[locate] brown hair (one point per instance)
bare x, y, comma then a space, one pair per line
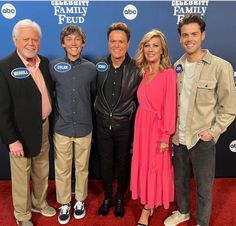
192, 18
121, 27
70, 29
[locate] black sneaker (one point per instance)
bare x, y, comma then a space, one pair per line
79, 212
64, 215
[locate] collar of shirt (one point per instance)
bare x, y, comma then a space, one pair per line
206, 58
28, 64
126, 61
78, 60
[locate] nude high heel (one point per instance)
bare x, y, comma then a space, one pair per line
150, 214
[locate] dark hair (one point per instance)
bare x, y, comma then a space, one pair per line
70, 29
192, 18
121, 27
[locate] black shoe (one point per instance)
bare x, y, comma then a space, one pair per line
105, 207
119, 210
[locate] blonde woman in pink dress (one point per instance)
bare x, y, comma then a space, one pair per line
152, 178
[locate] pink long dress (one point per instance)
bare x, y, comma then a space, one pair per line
152, 178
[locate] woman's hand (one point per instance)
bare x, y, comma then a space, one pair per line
164, 146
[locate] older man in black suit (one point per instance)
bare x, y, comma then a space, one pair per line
25, 100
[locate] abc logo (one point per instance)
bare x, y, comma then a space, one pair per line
232, 146
130, 12
8, 11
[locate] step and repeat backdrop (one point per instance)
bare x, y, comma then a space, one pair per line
141, 16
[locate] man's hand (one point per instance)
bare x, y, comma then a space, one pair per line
205, 136
16, 149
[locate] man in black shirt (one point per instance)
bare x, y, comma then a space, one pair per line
117, 83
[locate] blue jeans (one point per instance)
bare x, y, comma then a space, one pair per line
202, 160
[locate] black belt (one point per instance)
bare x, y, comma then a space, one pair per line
44, 120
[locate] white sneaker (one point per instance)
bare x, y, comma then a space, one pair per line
64, 214
80, 211
176, 218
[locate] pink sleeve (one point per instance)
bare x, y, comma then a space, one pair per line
169, 110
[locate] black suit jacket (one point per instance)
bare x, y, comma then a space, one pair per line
20, 105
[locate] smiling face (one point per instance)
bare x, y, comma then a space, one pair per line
118, 45
27, 42
152, 50
73, 45
191, 39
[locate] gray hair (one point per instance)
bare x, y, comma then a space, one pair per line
26, 23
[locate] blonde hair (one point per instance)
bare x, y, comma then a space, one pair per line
140, 59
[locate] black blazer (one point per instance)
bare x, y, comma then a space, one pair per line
20, 105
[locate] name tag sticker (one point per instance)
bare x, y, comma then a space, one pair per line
62, 67
179, 68
20, 73
101, 66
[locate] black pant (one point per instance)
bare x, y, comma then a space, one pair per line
202, 160
114, 150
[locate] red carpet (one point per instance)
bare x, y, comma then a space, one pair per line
223, 211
